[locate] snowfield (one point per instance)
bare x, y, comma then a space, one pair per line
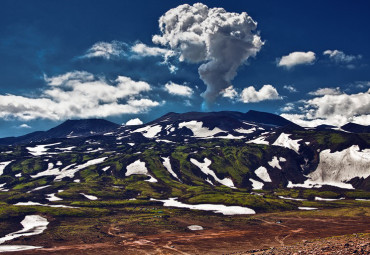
342, 166
225, 210
31, 203
259, 140
66, 149
149, 131
328, 199
32, 225
52, 197
308, 184
90, 197
204, 167
1, 187
275, 162
106, 168
198, 130
195, 227
167, 165
245, 131
3, 165
39, 188
68, 171
256, 184
307, 208
262, 173
11, 248
138, 167
41, 149
337, 168
284, 141
291, 198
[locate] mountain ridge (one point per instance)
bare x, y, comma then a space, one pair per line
228, 121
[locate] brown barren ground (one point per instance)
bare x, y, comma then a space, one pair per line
257, 237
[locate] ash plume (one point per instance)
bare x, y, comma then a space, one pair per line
221, 41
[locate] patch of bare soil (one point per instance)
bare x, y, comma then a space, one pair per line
341, 245
257, 237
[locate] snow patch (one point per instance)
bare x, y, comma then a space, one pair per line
31, 203
328, 199
3, 165
1, 187
307, 208
259, 140
342, 166
281, 159
68, 171
90, 197
198, 130
291, 198
138, 167
284, 141
32, 225
262, 173
195, 227
11, 248
96, 150
228, 136
106, 168
274, 163
245, 131
163, 140
204, 167
66, 149
167, 165
256, 184
41, 149
225, 210
39, 188
149, 131
52, 197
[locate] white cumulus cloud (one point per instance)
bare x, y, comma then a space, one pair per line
288, 107
133, 122
179, 90
326, 91
82, 95
333, 109
297, 58
340, 57
251, 95
138, 50
106, 50
218, 39
24, 125
290, 88
144, 50
229, 92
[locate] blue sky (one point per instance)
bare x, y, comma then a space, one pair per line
83, 59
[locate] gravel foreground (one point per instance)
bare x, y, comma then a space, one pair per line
341, 245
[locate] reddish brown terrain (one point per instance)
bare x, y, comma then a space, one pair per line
262, 234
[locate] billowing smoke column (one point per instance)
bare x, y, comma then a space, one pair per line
220, 40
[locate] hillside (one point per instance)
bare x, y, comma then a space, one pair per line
223, 163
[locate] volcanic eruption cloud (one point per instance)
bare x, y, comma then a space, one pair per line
220, 40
